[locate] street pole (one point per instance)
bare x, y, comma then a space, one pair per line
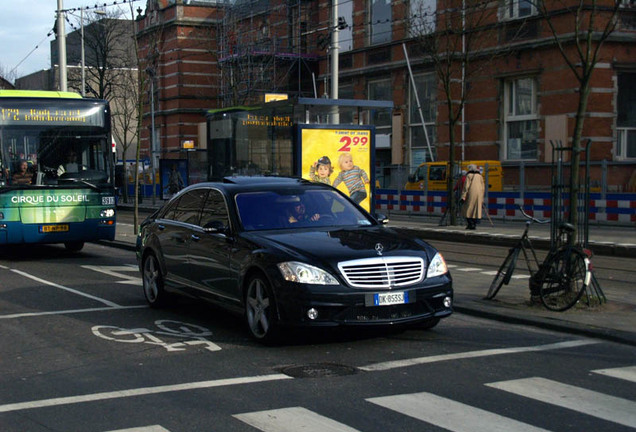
83, 92
61, 45
335, 49
151, 74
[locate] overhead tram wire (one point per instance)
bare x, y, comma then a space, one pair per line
31, 52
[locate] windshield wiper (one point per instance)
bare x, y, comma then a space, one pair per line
74, 180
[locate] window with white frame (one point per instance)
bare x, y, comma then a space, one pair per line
380, 25
423, 17
521, 121
515, 9
626, 117
426, 87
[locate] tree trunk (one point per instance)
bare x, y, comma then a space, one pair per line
452, 205
576, 154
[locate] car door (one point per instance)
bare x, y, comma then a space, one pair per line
175, 233
210, 250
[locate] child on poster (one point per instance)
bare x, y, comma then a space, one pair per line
354, 177
321, 170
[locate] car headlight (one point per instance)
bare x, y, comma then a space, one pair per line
294, 271
437, 266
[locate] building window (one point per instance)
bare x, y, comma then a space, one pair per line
515, 9
426, 86
521, 122
422, 19
626, 117
345, 91
380, 21
381, 91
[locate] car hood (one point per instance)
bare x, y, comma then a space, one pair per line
341, 244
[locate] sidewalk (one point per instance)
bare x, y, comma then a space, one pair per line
613, 321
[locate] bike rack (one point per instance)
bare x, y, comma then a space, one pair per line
559, 191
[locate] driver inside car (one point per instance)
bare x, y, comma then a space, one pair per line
298, 213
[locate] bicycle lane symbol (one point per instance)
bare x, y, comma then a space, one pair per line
188, 334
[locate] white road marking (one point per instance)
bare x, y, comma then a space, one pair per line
626, 373
292, 419
116, 271
606, 407
451, 415
468, 269
144, 391
472, 354
62, 287
489, 273
70, 311
154, 428
514, 276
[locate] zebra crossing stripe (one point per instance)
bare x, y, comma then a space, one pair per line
626, 373
451, 415
292, 419
468, 269
606, 407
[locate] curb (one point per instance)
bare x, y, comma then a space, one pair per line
556, 325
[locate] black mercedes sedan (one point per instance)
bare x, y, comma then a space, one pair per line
286, 252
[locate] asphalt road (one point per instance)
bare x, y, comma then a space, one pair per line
80, 351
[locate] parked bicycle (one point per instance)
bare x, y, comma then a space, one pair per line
560, 280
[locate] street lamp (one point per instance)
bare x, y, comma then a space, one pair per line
97, 12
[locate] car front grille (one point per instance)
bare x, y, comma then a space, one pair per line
382, 272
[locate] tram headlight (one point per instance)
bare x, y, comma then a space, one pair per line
107, 213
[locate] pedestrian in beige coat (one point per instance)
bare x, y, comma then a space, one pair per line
472, 197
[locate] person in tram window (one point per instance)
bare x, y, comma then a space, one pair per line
70, 165
22, 176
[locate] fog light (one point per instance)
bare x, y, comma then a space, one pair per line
312, 314
447, 302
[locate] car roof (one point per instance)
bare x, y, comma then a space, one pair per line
236, 184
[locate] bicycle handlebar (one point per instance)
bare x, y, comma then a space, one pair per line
532, 218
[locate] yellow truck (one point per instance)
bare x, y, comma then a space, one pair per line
434, 175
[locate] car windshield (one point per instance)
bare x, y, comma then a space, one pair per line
290, 209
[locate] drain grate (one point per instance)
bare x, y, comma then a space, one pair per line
318, 370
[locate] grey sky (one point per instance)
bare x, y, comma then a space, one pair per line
24, 24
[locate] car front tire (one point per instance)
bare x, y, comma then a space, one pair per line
260, 310
154, 291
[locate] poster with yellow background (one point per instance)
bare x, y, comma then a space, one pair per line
341, 158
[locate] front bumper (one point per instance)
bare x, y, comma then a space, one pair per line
342, 306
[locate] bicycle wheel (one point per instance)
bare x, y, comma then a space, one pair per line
503, 274
565, 278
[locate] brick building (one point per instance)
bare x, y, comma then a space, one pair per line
520, 94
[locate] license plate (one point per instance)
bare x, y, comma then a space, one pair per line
392, 298
53, 228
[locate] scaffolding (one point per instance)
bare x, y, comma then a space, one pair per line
264, 49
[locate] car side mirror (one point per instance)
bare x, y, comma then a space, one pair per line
382, 219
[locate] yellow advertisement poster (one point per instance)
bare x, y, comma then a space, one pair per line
341, 158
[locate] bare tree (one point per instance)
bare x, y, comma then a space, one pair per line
125, 113
588, 26
6, 76
459, 42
